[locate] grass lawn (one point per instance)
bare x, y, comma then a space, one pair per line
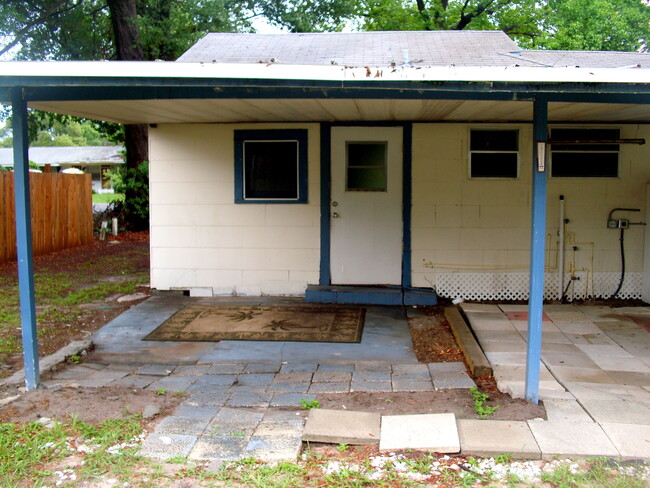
107, 197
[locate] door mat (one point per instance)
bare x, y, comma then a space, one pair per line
212, 323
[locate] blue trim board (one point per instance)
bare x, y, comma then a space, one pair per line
370, 295
43, 89
325, 197
300, 135
407, 192
538, 237
24, 240
525, 89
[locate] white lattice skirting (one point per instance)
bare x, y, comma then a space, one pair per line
514, 286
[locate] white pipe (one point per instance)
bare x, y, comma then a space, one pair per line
560, 262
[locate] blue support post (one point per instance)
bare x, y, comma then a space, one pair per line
538, 234
24, 238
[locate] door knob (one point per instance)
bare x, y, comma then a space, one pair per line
335, 204
335, 215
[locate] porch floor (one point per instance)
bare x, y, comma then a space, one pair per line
595, 371
595, 385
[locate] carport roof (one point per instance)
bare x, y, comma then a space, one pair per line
371, 76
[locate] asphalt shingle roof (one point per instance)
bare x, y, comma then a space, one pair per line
476, 48
423, 48
67, 155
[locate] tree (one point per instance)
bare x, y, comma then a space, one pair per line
94, 29
521, 19
600, 25
549, 24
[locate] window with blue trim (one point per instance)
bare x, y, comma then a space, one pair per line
271, 166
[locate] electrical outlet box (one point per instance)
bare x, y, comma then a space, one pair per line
618, 224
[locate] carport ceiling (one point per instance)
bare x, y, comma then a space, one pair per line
315, 109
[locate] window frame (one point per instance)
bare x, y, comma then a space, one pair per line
299, 136
470, 152
617, 152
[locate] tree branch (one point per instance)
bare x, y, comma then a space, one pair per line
424, 14
51, 11
465, 19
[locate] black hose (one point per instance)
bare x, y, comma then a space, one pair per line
620, 283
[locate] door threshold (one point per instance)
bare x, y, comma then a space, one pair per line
370, 295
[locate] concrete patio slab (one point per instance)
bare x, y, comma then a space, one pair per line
272, 448
363, 385
494, 437
630, 378
581, 439
631, 365
212, 447
631, 440
290, 399
580, 375
450, 367
298, 367
182, 425
342, 427
331, 376
452, 380
289, 387
559, 410
333, 387
434, 432
165, 446
618, 411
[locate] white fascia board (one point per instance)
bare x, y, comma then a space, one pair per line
97, 70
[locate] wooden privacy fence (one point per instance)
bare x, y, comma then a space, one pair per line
62, 214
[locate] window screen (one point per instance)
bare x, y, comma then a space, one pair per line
494, 153
581, 154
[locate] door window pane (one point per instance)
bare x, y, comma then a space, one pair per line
366, 166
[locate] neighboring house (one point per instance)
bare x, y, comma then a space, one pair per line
381, 158
96, 160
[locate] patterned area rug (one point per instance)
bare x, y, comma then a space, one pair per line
212, 323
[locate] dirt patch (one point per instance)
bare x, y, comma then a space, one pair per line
459, 402
91, 405
433, 341
119, 260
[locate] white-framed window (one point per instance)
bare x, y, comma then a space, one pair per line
271, 166
494, 153
585, 152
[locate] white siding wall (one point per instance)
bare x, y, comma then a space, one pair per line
201, 238
471, 237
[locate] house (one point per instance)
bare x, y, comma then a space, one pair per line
242, 204
96, 160
412, 163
